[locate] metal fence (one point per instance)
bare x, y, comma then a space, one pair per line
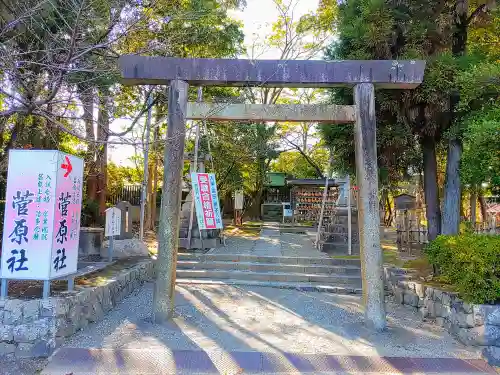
131, 194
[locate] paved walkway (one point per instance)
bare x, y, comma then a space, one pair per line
272, 243
224, 329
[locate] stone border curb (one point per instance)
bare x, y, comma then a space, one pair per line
472, 324
34, 328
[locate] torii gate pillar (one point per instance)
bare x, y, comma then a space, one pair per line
168, 241
365, 141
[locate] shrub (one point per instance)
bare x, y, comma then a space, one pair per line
471, 263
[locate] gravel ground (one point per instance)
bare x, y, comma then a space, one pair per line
22, 367
267, 319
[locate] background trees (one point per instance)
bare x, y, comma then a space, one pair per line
60, 89
415, 126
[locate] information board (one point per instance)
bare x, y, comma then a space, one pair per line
113, 222
42, 215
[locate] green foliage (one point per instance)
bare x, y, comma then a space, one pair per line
119, 176
294, 163
471, 263
91, 216
481, 157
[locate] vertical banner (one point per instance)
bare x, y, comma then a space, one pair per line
42, 215
206, 200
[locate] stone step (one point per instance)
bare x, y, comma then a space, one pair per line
326, 261
270, 276
303, 287
269, 267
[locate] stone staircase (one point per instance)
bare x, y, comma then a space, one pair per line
332, 275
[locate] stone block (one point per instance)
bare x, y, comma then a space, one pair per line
438, 295
47, 308
26, 333
478, 313
423, 312
467, 308
440, 321
13, 312
97, 313
75, 315
24, 350
482, 336
64, 328
399, 295
6, 332
410, 298
429, 293
61, 306
465, 320
43, 348
420, 290
6, 349
492, 355
492, 315
31, 310
446, 311
435, 309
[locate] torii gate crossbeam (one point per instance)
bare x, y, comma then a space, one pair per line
363, 76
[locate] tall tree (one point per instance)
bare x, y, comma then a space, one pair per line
462, 21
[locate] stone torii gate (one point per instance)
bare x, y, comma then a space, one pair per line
363, 76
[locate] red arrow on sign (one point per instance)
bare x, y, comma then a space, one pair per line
67, 166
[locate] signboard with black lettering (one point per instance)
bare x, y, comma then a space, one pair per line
42, 215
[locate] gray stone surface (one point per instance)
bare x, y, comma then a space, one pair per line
476, 325
6, 332
25, 333
21, 367
267, 319
125, 248
270, 242
492, 354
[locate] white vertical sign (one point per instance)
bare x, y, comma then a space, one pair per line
42, 215
113, 222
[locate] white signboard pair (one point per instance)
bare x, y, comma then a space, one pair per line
206, 201
42, 215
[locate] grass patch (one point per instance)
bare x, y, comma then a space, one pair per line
243, 231
344, 256
102, 277
253, 224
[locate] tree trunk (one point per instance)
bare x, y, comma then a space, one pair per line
389, 211
383, 199
473, 206
87, 98
482, 205
431, 193
102, 148
153, 178
451, 207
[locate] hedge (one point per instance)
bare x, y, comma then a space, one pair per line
469, 262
